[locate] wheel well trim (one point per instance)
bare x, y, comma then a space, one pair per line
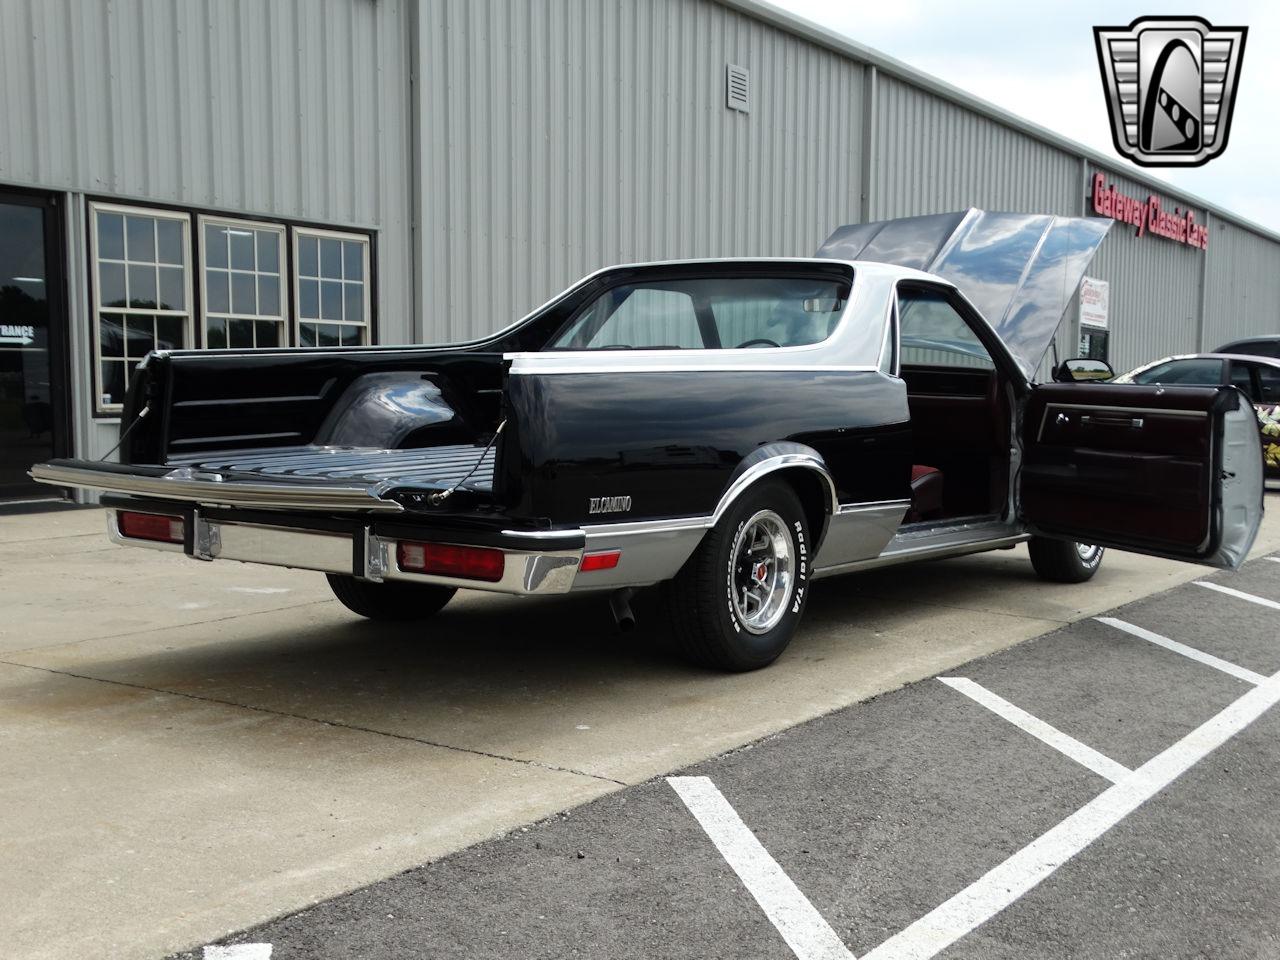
770, 459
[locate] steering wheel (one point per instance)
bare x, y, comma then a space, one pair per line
758, 341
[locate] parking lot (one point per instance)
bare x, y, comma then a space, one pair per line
190, 750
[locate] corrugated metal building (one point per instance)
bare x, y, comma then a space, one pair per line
228, 172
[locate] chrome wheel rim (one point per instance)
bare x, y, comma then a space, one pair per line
1088, 552
762, 572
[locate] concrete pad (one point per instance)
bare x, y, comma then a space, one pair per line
521, 682
136, 821
74, 584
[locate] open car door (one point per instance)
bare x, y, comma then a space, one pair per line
1169, 471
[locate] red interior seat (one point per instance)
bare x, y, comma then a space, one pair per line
926, 493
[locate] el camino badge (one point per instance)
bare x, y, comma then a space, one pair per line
609, 505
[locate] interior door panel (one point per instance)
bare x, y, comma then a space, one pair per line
1141, 468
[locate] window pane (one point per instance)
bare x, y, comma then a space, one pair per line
142, 286
328, 335
934, 334
268, 251
139, 336
111, 236
352, 336
308, 298
111, 284
173, 296
241, 249
353, 260
140, 232
267, 333
113, 382
354, 296
307, 334
308, 257
240, 333
217, 291
268, 294
216, 334
243, 299
331, 258
215, 245
111, 335
331, 300
169, 241
1242, 380
1196, 372
755, 311
1270, 383
171, 333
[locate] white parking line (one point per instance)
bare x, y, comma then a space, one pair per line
1208, 659
1261, 601
1006, 883
1273, 559
1081, 753
239, 951
808, 935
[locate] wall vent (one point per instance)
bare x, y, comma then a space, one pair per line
737, 88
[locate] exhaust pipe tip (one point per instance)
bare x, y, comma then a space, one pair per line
620, 605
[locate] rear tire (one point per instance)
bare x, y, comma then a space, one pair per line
1064, 561
736, 602
395, 602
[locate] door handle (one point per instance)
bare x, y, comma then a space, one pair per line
1133, 423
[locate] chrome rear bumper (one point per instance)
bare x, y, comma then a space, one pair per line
536, 569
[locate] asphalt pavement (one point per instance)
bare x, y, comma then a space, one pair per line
1107, 789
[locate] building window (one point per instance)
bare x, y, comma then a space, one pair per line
332, 288
242, 270
142, 292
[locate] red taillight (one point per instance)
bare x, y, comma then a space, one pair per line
446, 560
150, 526
604, 560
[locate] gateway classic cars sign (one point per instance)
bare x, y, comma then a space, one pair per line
1149, 216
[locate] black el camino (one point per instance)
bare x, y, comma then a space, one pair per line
730, 429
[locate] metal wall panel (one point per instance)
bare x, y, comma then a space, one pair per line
292, 108
561, 136
1155, 288
932, 156
1242, 296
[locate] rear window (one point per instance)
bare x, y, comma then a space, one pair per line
1253, 348
707, 313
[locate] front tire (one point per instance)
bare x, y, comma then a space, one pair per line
394, 602
736, 602
1064, 561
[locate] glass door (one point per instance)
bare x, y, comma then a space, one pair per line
32, 342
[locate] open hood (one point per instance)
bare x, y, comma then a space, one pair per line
1019, 269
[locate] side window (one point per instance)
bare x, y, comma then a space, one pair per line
1194, 372
934, 334
1242, 378
638, 317
1269, 383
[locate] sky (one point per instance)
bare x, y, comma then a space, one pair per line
1038, 60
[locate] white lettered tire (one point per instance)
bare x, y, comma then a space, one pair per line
1064, 561
736, 603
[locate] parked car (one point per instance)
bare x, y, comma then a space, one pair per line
730, 429
1256, 376
1253, 347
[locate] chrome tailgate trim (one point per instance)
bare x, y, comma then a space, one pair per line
292, 496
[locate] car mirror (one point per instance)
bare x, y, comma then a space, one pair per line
1082, 368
